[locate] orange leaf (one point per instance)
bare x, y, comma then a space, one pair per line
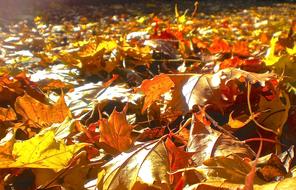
41, 114
241, 48
154, 88
178, 159
7, 114
219, 46
116, 132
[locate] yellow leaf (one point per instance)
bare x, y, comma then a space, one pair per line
270, 58
291, 51
41, 114
237, 123
41, 151
116, 132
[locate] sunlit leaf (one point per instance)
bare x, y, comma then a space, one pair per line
41, 114
116, 132
41, 152
144, 166
154, 88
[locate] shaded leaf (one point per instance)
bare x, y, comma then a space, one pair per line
274, 113
206, 142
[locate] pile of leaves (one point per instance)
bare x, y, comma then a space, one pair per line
149, 102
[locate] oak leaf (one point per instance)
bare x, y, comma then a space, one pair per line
116, 132
39, 113
154, 88
144, 166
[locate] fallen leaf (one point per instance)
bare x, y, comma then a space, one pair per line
41, 151
214, 89
219, 46
7, 114
154, 88
116, 132
206, 142
241, 48
270, 168
178, 159
39, 113
144, 166
274, 113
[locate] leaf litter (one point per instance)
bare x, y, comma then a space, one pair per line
127, 97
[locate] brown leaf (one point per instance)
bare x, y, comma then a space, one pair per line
154, 88
218, 89
144, 166
116, 132
271, 168
207, 142
41, 114
274, 113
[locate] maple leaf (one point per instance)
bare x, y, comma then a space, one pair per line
154, 88
41, 114
206, 142
7, 114
215, 89
178, 159
116, 132
144, 166
219, 46
41, 151
274, 113
241, 48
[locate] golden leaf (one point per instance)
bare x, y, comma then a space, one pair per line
154, 88
116, 132
41, 151
7, 114
41, 114
274, 113
145, 165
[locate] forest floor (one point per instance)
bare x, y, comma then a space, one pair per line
147, 94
